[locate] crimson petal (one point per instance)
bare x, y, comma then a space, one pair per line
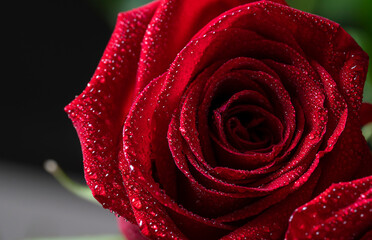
343, 211
98, 113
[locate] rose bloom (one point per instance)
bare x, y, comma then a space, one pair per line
227, 119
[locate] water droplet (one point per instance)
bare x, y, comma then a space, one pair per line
136, 203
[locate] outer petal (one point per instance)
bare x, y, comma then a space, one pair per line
129, 230
367, 235
166, 97
151, 217
98, 113
174, 24
351, 158
343, 211
270, 224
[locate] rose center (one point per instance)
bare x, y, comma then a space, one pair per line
248, 129
247, 125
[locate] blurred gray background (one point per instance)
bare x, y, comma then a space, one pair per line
34, 205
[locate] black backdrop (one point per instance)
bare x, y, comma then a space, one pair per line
50, 52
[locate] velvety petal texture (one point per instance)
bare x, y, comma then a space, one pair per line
99, 112
343, 211
129, 230
216, 119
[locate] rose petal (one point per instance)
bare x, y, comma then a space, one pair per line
98, 113
367, 236
271, 224
240, 176
343, 139
172, 27
343, 211
135, 166
129, 230
146, 196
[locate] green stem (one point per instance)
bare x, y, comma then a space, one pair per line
51, 166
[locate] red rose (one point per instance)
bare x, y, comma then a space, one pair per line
215, 119
343, 211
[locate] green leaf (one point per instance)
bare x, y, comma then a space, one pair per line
130, 4
110, 9
367, 95
367, 133
304, 5
77, 189
364, 15
341, 11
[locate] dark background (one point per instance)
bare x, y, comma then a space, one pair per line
50, 49
50, 53
53, 51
